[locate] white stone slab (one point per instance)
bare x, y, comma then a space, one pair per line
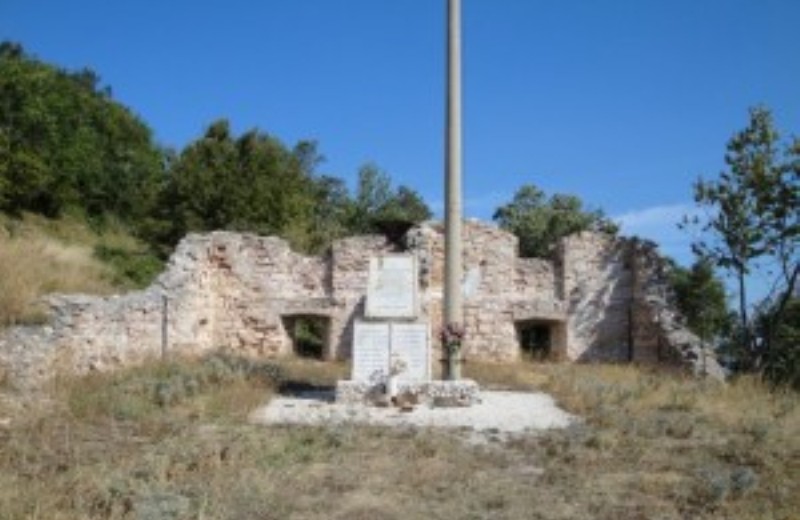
392, 287
472, 281
410, 342
370, 351
503, 415
376, 345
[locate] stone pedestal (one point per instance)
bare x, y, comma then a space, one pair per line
463, 392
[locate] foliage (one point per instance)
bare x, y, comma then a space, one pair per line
377, 206
142, 393
255, 183
700, 296
135, 269
540, 223
65, 145
246, 183
782, 359
308, 334
752, 225
331, 212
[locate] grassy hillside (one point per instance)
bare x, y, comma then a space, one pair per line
171, 441
40, 256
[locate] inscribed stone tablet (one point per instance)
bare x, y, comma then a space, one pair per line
392, 287
370, 351
472, 281
410, 342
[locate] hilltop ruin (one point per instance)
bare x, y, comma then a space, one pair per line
601, 298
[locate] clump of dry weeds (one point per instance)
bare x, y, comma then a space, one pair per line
33, 267
40, 256
33, 264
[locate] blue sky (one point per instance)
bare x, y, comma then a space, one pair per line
623, 103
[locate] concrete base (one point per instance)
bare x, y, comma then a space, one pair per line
464, 392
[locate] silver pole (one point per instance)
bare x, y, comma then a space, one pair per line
453, 308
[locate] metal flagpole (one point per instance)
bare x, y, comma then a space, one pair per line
453, 308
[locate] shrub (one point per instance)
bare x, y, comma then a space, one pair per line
131, 268
143, 392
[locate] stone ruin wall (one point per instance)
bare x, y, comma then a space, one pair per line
661, 333
500, 288
602, 296
598, 289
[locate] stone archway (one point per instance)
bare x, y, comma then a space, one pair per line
309, 334
541, 339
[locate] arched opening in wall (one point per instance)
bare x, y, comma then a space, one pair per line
540, 340
309, 334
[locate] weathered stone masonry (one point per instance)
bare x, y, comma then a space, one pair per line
601, 298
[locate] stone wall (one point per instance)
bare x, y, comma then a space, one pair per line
500, 288
601, 297
597, 283
660, 333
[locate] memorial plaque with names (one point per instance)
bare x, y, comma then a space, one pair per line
392, 287
370, 351
410, 342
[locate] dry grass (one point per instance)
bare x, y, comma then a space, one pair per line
32, 267
314, 373
677, 446
651, 447
40, 256
505, 377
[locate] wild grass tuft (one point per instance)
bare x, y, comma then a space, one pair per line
504, 376
33, 266
40, 256
215, 385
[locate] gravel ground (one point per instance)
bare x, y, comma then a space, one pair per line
498, 415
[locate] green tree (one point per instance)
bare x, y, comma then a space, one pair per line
65, 145
782, 360
378, 208
372, 194
405, 205
331, 214
246, 183
700, 296
752, 225
539, 223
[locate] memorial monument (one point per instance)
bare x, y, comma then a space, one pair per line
390, 341
391, 345
391, 348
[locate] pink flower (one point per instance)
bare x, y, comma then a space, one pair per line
452, 336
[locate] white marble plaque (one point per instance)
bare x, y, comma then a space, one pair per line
472, 281
370, 351
410, 342
392, 287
